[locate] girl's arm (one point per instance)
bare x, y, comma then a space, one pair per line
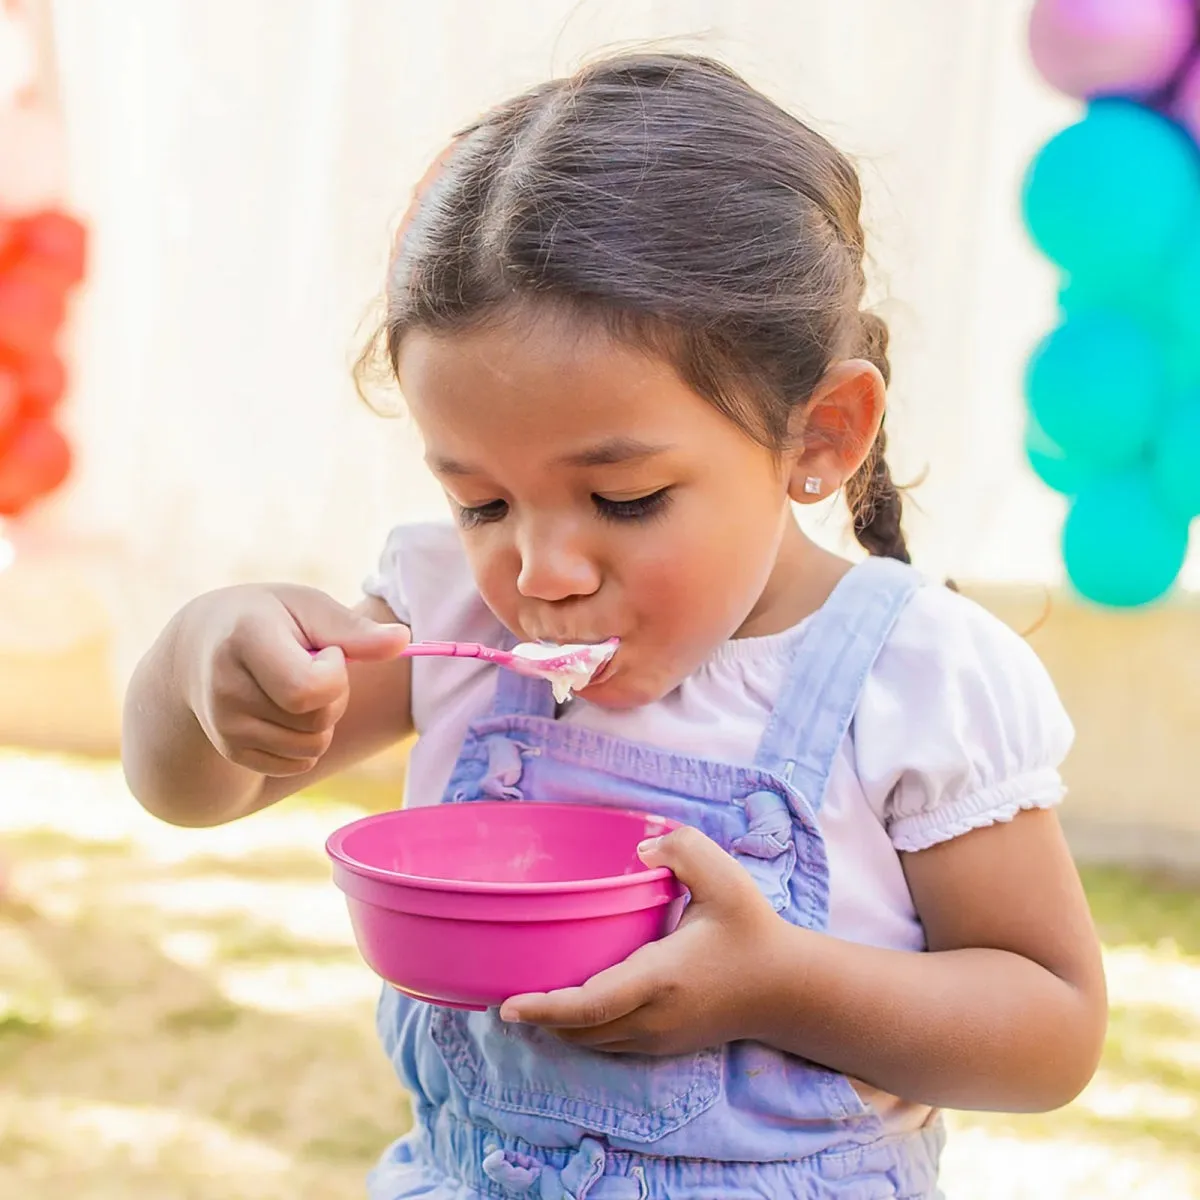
171, 763
1008, 1009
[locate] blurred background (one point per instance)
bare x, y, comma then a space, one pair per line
182, 1013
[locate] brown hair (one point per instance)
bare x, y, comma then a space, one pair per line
665, 199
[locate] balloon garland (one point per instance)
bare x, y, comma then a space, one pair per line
42, 261
1113, 392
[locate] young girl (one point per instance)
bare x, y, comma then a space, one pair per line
625, 314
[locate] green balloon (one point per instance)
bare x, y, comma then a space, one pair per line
1176, 463
1121, 547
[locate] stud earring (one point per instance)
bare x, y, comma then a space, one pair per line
812, 486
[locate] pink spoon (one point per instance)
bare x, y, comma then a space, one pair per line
571, 669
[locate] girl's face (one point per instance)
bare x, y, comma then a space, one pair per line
599, 496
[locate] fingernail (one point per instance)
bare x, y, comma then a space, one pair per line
648, 845
509, 1015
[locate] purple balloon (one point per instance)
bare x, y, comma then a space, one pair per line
1090, 48
1185, 104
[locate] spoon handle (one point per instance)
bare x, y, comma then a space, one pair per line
457, 650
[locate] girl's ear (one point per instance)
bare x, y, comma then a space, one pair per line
833, 433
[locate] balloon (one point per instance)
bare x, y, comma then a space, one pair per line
1120, 547
1176, 465
1185, 104
55, 240
1145, 298
1090, 48
1051, 465
1096, 386
43, 383
32, 307
1183, 286
1109, 197
35, 462
10, 407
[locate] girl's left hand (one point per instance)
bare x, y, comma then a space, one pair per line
690, 991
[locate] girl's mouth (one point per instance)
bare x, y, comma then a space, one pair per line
602, 674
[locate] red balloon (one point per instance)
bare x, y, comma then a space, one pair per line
36, 461
55, 239
10, 407
32, 308
43, 382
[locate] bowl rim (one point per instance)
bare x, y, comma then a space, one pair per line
334, 848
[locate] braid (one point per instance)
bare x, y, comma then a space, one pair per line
874, 499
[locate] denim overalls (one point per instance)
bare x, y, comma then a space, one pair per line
510, 1111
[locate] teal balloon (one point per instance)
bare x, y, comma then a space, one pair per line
1176, 465
1183, 289
1110, 196
1051, 465
1181, 356
1122, 549
1095, 386
1146, 299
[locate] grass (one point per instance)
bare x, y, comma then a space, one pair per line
183, 1017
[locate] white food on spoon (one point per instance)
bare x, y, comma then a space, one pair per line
585, 661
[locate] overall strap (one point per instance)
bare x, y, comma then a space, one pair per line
829, 665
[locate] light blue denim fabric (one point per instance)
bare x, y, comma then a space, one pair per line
507, 1111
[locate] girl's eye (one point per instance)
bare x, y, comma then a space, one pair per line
481, 514
640, 509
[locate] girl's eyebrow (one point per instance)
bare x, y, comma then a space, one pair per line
602, 454
614, 450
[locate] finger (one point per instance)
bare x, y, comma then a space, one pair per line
237, 691
605, 997
622, 1032
605, 1046
270, 764
707, 871
324, 622
268, 738
294, 680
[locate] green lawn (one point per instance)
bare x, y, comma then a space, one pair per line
183, 1017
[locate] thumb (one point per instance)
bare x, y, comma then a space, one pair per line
697, 862
325, 624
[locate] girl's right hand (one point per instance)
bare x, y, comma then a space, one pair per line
264, 670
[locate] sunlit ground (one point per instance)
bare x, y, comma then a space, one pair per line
183, 1017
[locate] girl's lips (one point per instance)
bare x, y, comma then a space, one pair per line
602, 674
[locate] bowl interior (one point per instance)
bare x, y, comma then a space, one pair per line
507, 842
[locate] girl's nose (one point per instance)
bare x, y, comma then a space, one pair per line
554, 567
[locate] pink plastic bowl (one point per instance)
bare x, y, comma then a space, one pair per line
465, 905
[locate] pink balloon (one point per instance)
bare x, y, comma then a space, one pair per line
1090, 48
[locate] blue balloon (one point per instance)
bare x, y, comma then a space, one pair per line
1176, 466
1051, 465
1109, 196
1120, 547
1096, 386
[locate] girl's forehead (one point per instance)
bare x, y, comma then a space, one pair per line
547, 403
545, 381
